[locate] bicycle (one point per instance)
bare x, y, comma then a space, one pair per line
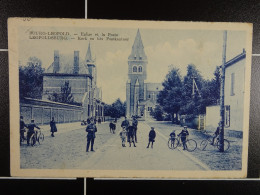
37, 136
174, 142
205, 142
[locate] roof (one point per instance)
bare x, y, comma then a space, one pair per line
138, 49
236, 59
66, 64
89, 55
154, 86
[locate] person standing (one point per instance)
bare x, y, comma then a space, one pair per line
22, 127
53, 126
184, 133
123, 136
135, 123
125, 124
130, 135
91, 129
31, 127
152, 136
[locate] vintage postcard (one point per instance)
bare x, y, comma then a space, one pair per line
129, 99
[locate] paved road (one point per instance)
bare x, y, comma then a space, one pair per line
68, 150
113, 156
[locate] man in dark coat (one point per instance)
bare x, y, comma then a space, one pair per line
152, 136
184, 133
130, 135
135, 123
53, 126
91, 129
125, 123
31, 131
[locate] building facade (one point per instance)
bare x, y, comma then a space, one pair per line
82, 78
141, 97
233, 97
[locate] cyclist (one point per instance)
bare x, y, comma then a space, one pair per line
216, 134
31, 131
22, 127
184, 133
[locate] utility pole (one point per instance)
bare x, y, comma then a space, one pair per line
222, 94
194, 86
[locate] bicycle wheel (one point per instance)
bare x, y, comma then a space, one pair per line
203, 144
33, 140
191, 145
173, 143
40, 138
226, 145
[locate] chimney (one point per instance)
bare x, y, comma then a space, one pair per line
56, 66
76, 62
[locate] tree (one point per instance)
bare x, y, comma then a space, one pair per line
192, 103
170, 98
157, 113
116, 109
64, 96
31, 79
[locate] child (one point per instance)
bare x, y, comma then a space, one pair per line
173, 137
184, 133
123, 136
152, 136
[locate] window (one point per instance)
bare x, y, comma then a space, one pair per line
134, 69
227, 116
140, 69
232, 87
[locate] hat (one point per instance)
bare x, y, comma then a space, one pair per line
185, 126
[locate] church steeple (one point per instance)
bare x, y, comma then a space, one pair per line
137, 48
88, 55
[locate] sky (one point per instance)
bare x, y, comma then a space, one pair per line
203, 48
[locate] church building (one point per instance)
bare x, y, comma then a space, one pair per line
141, 97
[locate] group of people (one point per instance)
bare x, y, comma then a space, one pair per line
86, 122
129, 131
31, 127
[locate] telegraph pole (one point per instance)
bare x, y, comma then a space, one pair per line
222, 94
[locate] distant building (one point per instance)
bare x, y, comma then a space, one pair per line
234, 96
141, 97
82, 78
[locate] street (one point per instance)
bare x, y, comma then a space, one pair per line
67, 150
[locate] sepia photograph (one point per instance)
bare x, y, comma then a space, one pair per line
124, 99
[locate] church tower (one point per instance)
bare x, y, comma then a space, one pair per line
137, 62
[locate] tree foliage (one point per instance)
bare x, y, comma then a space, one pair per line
170, 98
64, 96
157, 113
31, 79
180, 96
116, 109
